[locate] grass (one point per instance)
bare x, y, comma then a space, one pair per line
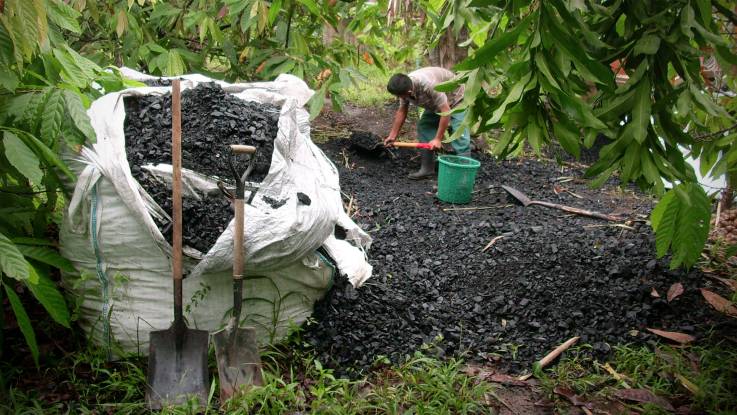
371, 91
704, 377
84, 383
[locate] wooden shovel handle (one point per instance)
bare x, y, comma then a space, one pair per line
399, 144
242, 149
176, 162
577, 211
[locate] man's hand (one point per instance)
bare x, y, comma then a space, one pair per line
436, 144
389, 141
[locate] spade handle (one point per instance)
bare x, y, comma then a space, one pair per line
176, 162
242, 149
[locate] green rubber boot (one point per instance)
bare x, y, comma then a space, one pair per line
427, 166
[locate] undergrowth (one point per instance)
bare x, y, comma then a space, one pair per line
700, 377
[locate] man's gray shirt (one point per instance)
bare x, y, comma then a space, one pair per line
423, 92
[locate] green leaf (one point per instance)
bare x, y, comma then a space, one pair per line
78, 114
52, 116
534, 136
24, 323
51, 299
274, 9
641, 111
514, 95
46, 152
174, 64
316, 102
542, 64
663, 219
687, 21
63, 16
47, 256
32, 241
12, 262
494, 46
8, 79
311, 6
22, 158
705, 102
648, 45
568, 137
692, 227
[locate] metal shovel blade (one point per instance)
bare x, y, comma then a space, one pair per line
177, 372
517, 195
238, 358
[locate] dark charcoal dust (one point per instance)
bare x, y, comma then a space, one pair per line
211, 121
553, 275
366, 143
158, 82
304, 199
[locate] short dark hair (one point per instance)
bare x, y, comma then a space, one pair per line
399, 84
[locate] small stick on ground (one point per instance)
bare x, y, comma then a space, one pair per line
492, 242
719, 213
553, 355
612, 225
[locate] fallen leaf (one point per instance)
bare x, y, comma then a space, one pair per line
720, 303
731, 284
571, 396
682, 338
654, 293
674, 291
367, 58
643, 396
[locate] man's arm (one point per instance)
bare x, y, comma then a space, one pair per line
437, 142
399, 118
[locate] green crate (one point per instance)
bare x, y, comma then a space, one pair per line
456, 177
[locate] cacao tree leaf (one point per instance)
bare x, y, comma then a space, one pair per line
674, 291
663, 219
514, 95
641, 111
63, 16
692, 228
12, 262
24, 323
78, 114
677, 337
648, 45
719, 303
51, 299
568, 137
46, 152
495, 45
47, 256
22, 158
52, 116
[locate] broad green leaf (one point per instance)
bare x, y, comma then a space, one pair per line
692, 227
78, 114
641, 111
542, 64
46, 152
8, 79
51, 299
514, 95
687, 21
121, 19
648, 45
649, 169
663, 219
316, 102
494, 46
22, 158
71, 72
534, 136
12, 262
63, 16
705, 102
174, 65
47, 256
274, 9
52, 116
32, 241
311, 6
24, 323
568, 137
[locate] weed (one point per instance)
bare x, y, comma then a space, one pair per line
371, 90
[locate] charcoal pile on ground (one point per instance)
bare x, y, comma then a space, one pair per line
549, 276
211, 121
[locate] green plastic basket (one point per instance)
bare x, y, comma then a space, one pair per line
456, 177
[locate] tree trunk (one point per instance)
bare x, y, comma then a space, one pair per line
447, 53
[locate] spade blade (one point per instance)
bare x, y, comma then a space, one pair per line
517, 195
